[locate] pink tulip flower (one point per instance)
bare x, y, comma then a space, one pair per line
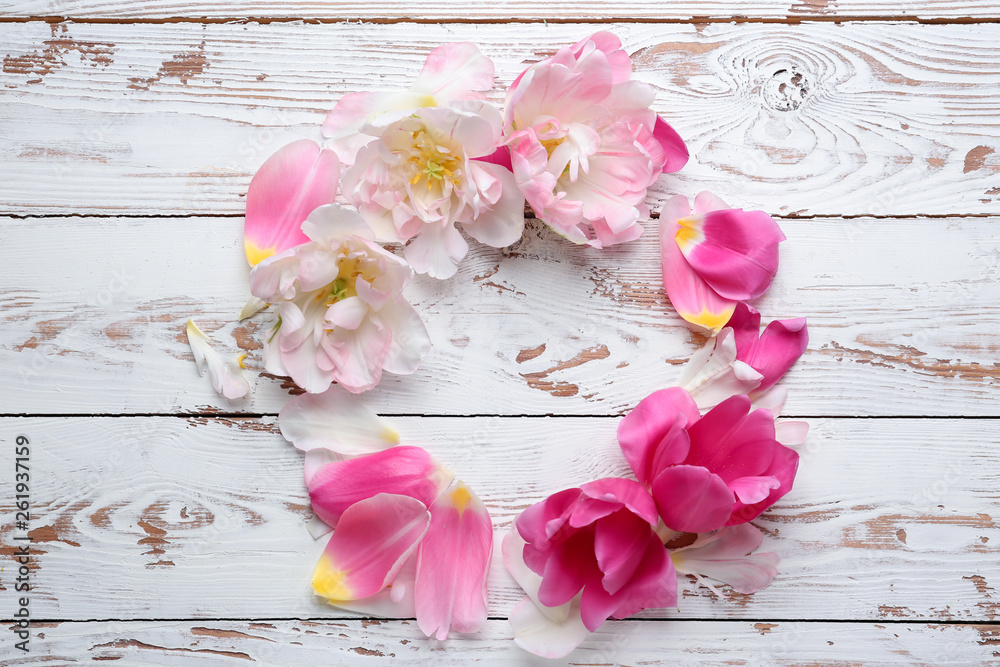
600, 539
715, 257
585, 145
706, 472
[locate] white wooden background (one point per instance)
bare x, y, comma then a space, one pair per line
170, 522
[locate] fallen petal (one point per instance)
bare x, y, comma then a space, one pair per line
227, 376
335, 421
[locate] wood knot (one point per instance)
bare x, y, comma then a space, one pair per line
786, 90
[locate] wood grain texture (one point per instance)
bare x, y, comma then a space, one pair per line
503, 11
903, 318
152, 518
352, 642
811, 119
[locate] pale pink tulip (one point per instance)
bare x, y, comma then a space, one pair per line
706, 472
715, 257
585, 145
341, 314
600, 540
289, 186
423, 174
727, 555
452, 73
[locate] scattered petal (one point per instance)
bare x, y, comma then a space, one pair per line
336, 421
227, 376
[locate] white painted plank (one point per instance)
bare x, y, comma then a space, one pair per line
823, 118
152, 518
503, 11
394, 643
903, 316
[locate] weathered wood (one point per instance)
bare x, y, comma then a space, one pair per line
818, 119
903, 317
501, 12
354, 642
147, 518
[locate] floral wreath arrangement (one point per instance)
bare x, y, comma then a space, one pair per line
578, 142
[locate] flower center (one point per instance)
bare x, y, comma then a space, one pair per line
430, 161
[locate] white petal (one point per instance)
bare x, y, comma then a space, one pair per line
502, 224
773, 399
714, 374
536, 633
336, 421
227, 377
410, 341
329, 225
347, 313
253, 306
791, 433
436, 252
316, 459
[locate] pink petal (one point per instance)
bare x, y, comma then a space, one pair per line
673, 146
654, 585
732, 443
541, 521
619, 545
436, 251
570, 565
626, 492
456, 71
372, 541
734, 251
692, 500
404, 471
745, 324
690, 295
791, 433
751, 490
452, 564
609, 44
653, 425
501, 157
780, 346
784, 464
285, 190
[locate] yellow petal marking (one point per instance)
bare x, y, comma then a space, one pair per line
711, 321
460, 498
256, 255
329, 581
689, 232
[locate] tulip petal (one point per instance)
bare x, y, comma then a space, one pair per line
619, 545
436, 252
714, 373
750, 490
692, 297
570, 566
791, 433
226, 376
731, 441
617, 491
645, 429
673, 146
536, 632
780, 346
252, 307
784, 464
370, 545
503, 223
404, 471
724, 556
410, 340
285, 190
734, 251
335, 421
393, 601
455, 71
691, 499
452, 564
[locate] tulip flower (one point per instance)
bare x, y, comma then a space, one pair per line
341, 313
422, 175
452, 73
741, 360
595, 553
585, 145
706, 472
715, 257
289, 186
227, 376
